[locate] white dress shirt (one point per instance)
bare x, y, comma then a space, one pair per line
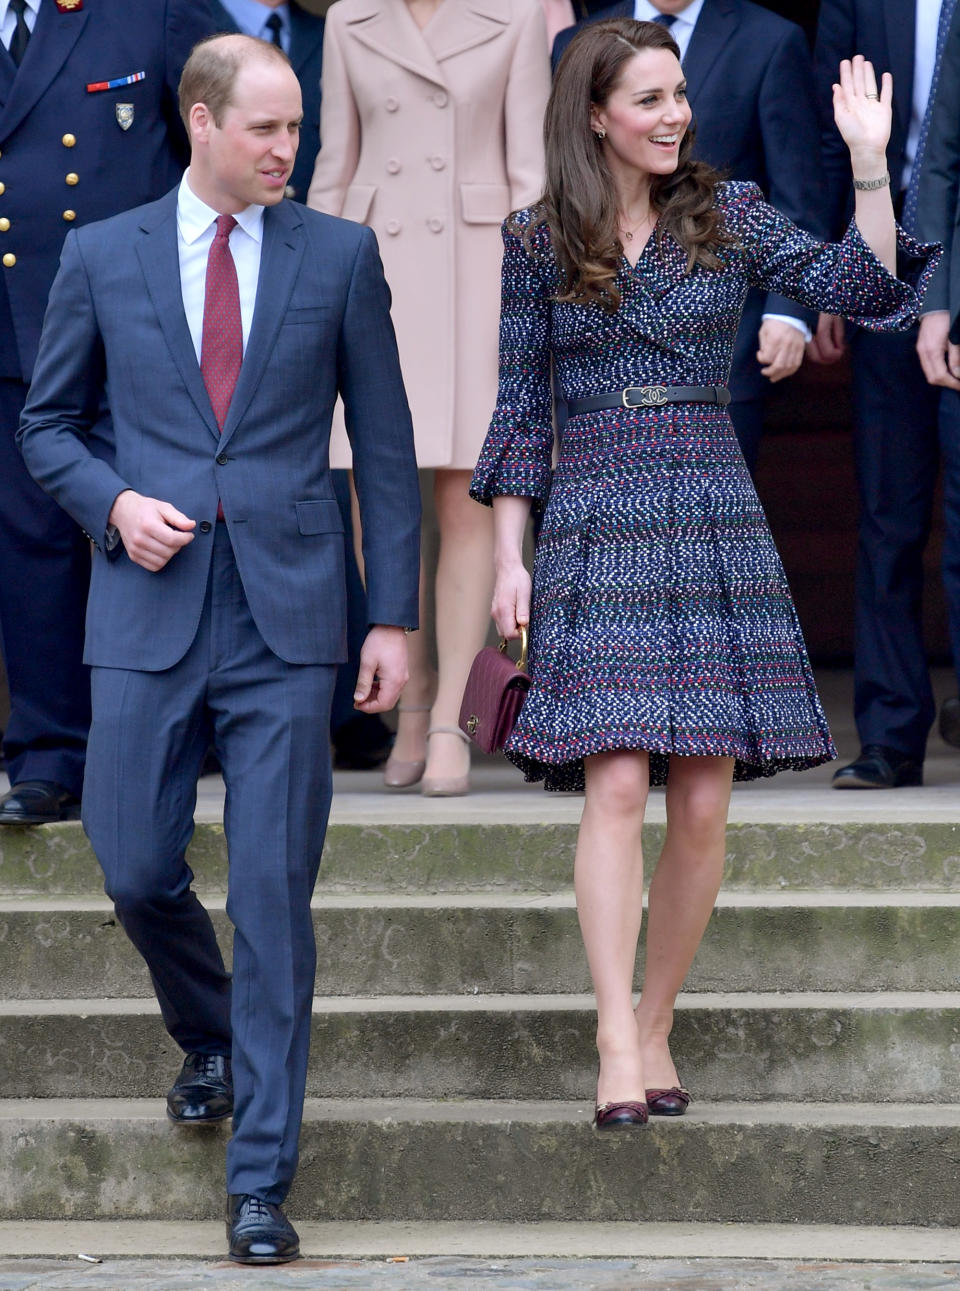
8, 19
681, 30
927, 20
251, 17
196, 227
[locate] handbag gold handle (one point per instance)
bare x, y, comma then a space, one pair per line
524, 643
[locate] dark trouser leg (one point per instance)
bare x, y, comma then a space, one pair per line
271, 721
748, 388
747, 418
896, 456
44, 575
950, 457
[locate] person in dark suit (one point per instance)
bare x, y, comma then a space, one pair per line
938, 340
88, 127
751, 90
895, 413
217, 601
361, 741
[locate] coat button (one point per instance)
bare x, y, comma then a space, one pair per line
69, 216
393, 227
222, 459
3, 188
437, 163
435, 225
205, 526
69, 140
9, 260
393, 166
440, 98
4, 224
72, 178
391, 103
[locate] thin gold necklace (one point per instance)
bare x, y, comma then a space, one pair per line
628, 233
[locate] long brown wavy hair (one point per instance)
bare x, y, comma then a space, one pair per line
579, 202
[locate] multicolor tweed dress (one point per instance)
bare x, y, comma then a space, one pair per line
661, 616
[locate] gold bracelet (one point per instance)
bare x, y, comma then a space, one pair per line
868, 185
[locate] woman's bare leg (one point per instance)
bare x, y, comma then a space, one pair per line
683, 892
608, 878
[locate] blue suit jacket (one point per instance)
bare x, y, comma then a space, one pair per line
321, 326
46, 101
938, 204
751, 90
883, 31
306, 56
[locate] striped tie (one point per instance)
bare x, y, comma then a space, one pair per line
908, 220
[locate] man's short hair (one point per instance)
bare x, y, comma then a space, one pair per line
211, 70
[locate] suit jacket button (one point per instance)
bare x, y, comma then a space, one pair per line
205, 526
222, 459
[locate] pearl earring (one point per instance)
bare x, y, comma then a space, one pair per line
601, 133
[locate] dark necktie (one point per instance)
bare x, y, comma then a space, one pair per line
274, 25
21, 33
665, 19
221, 344
908, 219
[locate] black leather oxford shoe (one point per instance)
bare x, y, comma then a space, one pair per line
950, 722
259, 1233
38, 802
879, 767
203, 1092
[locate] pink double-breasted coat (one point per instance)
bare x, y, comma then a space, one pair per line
431, 138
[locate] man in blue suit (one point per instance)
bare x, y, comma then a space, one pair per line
895, 413
229, 319
751, 89
88, 127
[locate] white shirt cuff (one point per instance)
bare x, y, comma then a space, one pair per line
798, 323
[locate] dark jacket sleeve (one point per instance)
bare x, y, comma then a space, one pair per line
185, 23
940, 174
836, 40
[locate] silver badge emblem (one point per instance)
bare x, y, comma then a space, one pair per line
124, 115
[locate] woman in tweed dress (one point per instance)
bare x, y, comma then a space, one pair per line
664, 643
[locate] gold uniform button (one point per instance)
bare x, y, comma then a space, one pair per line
69, 140
73, 178
69, 215
4, 224
9, 260
3, 188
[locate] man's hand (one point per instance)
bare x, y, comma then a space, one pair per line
781, 349
829, 341
939, 358
383, 670
152, 531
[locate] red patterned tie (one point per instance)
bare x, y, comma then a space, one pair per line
221, 345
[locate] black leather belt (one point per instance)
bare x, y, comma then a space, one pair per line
649, 397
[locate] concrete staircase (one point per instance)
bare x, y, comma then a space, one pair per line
453, 1064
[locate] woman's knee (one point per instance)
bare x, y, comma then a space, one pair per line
618, 783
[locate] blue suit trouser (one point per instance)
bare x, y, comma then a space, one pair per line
899, 449
44, 576
268, 721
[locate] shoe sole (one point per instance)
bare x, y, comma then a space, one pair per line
265, 1259
198, 1120
850, 782
72, 814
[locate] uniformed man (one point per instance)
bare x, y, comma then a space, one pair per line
88, 128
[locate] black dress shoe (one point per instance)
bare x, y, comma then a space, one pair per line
950, 722
879, 767
203, 1092
259, 1233
38, 802
362, 743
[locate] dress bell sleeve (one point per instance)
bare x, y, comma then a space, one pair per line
516, 457
843, 277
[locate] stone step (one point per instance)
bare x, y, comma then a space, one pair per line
198, 1239
492, 1161
373, 944
56, 860
866, 1047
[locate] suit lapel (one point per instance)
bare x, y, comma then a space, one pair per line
160, 261
714, 28
388, 29
306, 36
280, 257
456, 28
54, 36
900, 31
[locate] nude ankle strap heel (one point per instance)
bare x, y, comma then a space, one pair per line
400, 773
446, 786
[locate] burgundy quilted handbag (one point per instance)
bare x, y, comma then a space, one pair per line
494, 695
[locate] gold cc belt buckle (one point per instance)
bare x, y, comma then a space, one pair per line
649, 396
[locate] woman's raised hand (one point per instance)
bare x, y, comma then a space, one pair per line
862, 112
